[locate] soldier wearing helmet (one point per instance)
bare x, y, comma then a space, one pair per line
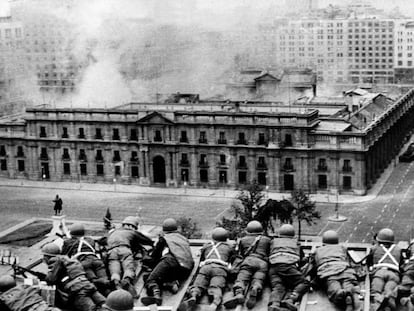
254, 250
215, 258
171, 261
287, 281
82, 248
330, 262
384, 260
123, 244
119, 300
406, 288
70, 279
20, 297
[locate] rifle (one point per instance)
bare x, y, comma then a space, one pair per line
22, 271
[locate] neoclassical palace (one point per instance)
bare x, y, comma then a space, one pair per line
319, 145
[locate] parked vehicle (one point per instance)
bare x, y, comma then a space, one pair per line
408, 155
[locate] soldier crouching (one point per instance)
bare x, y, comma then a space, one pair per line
288, 282
254, 249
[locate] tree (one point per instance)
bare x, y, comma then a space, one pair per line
248, 203
304, 209
188, 228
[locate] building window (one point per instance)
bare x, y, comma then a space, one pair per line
2, 151
222, 159
115, 134
133, 134
203, 160
242, 162
203, 176
117, 156
288, 140
184, 175
66, 168
98, 133
81, 133
223, 177
117, 170
134, 171
347, 182
203, 138
20, 152
222, 138
83, 169
134, 156
82, 155
261, 164
3, 164
157, 136
99, 169
242, 139
288, 166
99, 156
322, 165
183, 138
261, 178
288, 182
347, 166
242, 177
261, 140
65, 155
43, 154
42, 131
322, 182
184, 159
65, 132
20, 165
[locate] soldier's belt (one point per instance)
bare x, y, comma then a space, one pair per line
389, 266
76, 256
217, 261
120, 245
273, 257
74, 281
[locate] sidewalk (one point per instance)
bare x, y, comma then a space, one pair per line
197, 192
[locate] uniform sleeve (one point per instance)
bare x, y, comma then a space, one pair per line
55, 272
159, 247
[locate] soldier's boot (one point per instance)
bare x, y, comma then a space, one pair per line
191, 302
349, 305
128, 285
356, 300
275, 306
391, 304
155, 299
378, 302
237, 299
254, 292
173, 286
290, 302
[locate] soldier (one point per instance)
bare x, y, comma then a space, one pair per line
20, 297
123, 243
83, 249
286, 279
406, 288
216, 256
384, 261
333, 270
119, 300
254, 249
69, 277
171, 259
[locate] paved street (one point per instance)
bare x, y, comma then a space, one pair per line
391, 207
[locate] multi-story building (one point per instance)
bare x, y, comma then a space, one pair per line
191, 142
403, 47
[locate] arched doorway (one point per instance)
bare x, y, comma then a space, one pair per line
158, 166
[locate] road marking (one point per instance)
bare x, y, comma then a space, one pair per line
359, 222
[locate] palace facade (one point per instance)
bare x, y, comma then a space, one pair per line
187, 142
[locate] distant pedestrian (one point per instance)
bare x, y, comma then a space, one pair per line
58, 205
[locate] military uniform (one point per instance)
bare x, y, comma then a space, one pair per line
69, 277
173, 261
83, 250
284, 273
406, 288
212, 275
122, 244
23, 298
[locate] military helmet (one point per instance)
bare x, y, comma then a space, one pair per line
385, 235
330, 237
6, 282
51, 249
286, 231
119, 300
169, 224
220, 234
254, 227
77, 229
131, 220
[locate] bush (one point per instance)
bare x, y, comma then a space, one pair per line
188, 228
